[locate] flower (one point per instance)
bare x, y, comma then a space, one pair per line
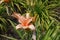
7, 1
24, 22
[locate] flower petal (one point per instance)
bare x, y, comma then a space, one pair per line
25, 27
28, 18
18, 17
19, 26
27, 15
28, 21
21, 19
31, 27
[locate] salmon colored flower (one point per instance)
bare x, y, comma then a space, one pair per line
24, 22
7, 1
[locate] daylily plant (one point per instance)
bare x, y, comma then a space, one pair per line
24, 22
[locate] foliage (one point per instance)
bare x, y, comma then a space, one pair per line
47, 20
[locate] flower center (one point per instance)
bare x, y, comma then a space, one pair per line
25, 22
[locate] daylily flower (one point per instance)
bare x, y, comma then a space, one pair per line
7, 1
24, 22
